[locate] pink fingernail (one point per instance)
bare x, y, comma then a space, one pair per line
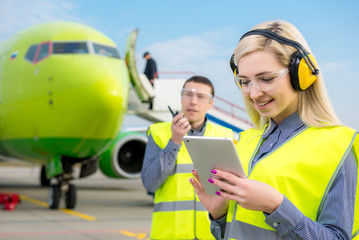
210, 180
218, 193
213, 171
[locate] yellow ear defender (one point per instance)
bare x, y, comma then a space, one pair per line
303, 66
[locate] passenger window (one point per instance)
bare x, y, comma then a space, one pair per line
70, 48
30, 55
106, 50
44, 51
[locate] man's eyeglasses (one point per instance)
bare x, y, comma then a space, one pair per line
263, 82
189, 93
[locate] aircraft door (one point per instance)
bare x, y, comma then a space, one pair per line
143, 89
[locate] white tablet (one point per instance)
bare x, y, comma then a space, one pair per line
209, 153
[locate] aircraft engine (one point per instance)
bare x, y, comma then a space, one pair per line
123, 159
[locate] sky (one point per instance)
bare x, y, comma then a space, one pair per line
199, 36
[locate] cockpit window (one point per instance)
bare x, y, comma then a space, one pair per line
38, 52
30, 55
70, 48
105, 50
44, 51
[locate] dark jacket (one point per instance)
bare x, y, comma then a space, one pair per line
151, 69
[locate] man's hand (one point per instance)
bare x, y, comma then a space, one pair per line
180, 127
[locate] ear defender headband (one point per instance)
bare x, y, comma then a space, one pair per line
303, 66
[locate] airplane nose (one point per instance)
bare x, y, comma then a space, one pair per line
96, 108
109, 104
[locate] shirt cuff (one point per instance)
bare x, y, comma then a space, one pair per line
173, 146
285, 218
218, 226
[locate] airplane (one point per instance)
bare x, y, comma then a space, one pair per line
63, 96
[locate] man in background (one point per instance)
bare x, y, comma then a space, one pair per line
167, 166
151, 68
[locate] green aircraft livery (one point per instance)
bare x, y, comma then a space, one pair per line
63, 97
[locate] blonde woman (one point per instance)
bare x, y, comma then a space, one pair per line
301, 162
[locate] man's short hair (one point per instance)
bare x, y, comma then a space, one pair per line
202, 80
145, 54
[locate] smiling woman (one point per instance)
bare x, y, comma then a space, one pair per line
299, 160
276, 99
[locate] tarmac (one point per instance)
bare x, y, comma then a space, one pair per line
106, 208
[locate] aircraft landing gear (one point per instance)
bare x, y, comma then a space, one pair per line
70, 197
43, 179
62, 189
54, 196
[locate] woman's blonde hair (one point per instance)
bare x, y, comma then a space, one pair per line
314, 106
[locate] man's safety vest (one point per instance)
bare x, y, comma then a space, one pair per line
303, 169
178, 214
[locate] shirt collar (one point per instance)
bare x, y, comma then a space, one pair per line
271, 128
290, 124
201, 128
287, 126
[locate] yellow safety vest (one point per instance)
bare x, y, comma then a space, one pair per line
178, 213
302, 169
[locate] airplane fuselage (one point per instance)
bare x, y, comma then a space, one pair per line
60, 102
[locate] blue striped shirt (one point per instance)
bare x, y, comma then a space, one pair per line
337, 216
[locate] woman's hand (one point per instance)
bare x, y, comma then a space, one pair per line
248, 193
216, 205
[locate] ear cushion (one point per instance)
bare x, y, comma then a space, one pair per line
293, 70
301, 76
233, 65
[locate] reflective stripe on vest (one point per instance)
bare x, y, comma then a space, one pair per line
245, 231
292, 169
241, 230
184, 168
178, 206
178, 214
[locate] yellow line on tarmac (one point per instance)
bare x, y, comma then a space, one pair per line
34, 201
77, 214
68, 211
137, 235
